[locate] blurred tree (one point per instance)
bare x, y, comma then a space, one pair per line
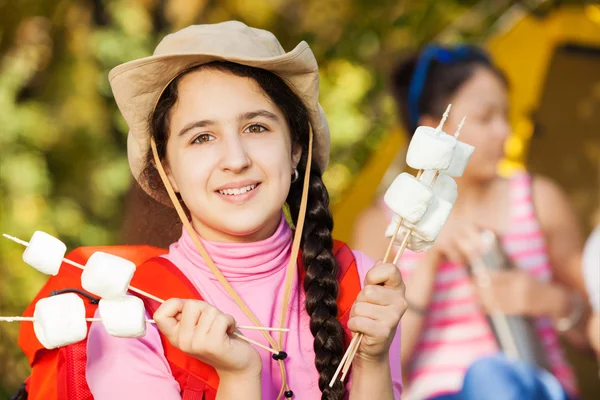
63, 166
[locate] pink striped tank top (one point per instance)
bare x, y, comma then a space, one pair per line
456, 332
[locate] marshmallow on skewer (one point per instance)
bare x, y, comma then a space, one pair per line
123, 317
408, 197
60, 320
434, 219
107, 276
45, 253
444, 186
430, 148
460, 159
415, 243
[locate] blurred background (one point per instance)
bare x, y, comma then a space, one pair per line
63, 166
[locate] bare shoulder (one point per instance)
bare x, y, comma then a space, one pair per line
550, 201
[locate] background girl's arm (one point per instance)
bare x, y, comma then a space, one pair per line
565, 245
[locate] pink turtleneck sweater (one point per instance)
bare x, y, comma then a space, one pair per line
120, 368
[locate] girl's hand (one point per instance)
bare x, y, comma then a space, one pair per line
377, 311
459, 242
204, 332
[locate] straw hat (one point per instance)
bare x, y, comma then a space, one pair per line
137, 85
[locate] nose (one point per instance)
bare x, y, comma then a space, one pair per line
235, 155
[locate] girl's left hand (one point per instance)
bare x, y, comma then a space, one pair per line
515, 292
377, 311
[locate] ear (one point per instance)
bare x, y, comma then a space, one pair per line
170, 176
428, 120
296, 154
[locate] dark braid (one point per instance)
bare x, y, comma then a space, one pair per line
320, 283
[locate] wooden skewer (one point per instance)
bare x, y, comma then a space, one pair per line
151, 321
77, 265
354, 345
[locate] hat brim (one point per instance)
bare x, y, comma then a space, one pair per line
137, 86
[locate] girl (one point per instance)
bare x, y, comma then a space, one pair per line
227, 124
447, 344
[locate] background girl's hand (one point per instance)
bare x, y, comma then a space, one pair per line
377, 311
202, 331
459, 241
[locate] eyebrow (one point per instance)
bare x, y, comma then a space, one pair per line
242, 117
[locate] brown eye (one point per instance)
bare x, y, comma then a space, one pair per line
203, 138
256, 128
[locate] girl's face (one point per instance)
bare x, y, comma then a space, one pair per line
483, 99
229, 155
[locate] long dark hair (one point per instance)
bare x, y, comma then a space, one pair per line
320, 282
424, 83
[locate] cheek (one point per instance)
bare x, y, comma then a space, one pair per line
191, 172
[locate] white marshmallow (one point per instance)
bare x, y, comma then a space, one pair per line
444, 186
430, 225
408, 197
429, 150
460, 159
45, 253
123, 317
415, 243
107, 276
60, 320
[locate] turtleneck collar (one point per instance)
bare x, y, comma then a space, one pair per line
240, 261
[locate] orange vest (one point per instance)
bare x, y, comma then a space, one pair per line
60, 373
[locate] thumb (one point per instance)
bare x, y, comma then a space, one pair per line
167, 317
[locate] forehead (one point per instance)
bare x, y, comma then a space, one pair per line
211, 91
484, 85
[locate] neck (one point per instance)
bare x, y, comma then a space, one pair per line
472, 192
218, 235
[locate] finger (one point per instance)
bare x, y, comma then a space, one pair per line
192, 311
384, 274
166, 317
369, 310
376, 294
206, 320
223, 324
368, 327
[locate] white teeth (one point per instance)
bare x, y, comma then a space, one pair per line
231, 192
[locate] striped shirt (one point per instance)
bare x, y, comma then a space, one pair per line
456, 331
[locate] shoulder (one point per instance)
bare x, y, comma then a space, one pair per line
550, 202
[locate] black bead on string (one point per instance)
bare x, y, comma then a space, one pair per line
289, 394
282, 355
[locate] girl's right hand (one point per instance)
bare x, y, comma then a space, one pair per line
202, 331
459, 242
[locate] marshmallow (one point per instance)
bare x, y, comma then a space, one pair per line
123, 317
444, 186
60, 320
45, 253
460, 159
408, 197
107, 276
415, 243
430, 225
430, 150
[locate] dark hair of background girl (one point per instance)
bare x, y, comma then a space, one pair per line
442, 82
320, 283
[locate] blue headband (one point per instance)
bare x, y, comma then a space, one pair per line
442, 55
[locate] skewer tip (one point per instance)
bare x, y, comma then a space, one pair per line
444, 118
15, 239
462, 122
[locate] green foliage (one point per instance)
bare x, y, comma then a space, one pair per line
63, 166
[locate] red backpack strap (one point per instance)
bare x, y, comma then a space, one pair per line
349, 282
163, 279
60, 373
